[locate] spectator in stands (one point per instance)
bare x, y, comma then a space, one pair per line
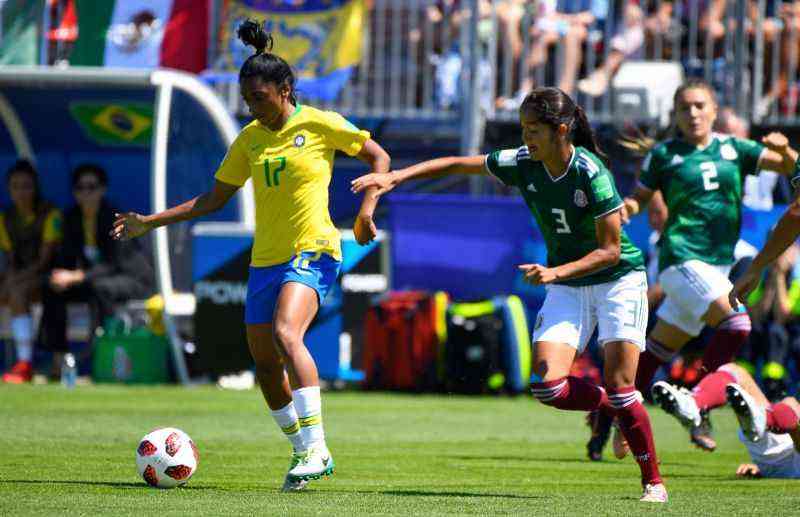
564, 22
626, 43
780, 28
91, 266
30, 230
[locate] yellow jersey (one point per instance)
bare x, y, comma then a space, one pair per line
51, 229
291, 170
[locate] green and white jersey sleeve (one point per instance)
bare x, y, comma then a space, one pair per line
749, 153
504, 164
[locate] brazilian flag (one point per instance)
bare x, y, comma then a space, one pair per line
115, 123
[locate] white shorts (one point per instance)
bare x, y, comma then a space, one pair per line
619, 309
774, 455
690, 288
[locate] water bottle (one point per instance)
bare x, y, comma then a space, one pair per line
69, 371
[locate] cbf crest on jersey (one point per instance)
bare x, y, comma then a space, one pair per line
728, 152
580, 198
299, 141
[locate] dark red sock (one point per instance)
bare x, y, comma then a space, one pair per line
710, 393
781, 418
635, 426
726, 342
650, 361
570, 393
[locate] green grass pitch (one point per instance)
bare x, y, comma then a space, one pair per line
72, 452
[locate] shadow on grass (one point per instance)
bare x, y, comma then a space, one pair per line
111, 484
430, 493
482, 457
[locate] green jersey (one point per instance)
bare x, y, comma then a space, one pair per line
703, 191
565, 208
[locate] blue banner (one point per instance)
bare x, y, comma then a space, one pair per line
470, 247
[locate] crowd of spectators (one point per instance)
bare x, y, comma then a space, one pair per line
54, 258
578, 45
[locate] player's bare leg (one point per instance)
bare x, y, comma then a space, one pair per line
295, 309
274, 384
551, 363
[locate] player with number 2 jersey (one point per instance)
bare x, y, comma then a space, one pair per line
700, 175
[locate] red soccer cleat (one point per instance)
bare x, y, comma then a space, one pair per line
20, 373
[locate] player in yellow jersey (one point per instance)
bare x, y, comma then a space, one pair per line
288, 153
30, 230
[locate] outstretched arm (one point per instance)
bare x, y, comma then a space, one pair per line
130, 225
439, 166
779, 156
636, 202
784, 234
373, 155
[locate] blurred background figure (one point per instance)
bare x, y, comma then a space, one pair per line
30, 230
90, 265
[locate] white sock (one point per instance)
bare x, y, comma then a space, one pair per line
22, 330
286, 418
308, 403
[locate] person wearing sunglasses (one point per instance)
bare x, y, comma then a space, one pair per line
91, 266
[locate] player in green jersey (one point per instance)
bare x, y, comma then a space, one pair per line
700, 174
594, 276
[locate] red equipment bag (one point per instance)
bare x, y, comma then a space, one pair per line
403, 335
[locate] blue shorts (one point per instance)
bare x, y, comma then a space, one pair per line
317, 271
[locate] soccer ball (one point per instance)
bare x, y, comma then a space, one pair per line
166, 457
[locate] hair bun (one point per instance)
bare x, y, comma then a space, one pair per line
252, 33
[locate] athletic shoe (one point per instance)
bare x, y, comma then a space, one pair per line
600, 423
752, 418
20, 373
291, 484
619, 443
678, 403
703, 434
315, 463
654, 494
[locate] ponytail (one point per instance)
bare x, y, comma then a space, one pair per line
583, 134
269, 67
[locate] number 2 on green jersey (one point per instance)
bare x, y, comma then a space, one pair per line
273, 180
709, 171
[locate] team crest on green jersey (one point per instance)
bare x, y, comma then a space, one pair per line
580, 198
728, 152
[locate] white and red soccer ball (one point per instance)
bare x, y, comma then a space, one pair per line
166, 457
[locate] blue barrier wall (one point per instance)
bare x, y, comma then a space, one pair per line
470, 247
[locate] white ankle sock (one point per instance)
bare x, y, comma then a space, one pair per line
308, 403
286, 418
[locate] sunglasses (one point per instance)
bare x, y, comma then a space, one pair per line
86, 187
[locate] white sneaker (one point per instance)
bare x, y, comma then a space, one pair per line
678, 403
291, 484
752, 418
316, 462
654, 494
